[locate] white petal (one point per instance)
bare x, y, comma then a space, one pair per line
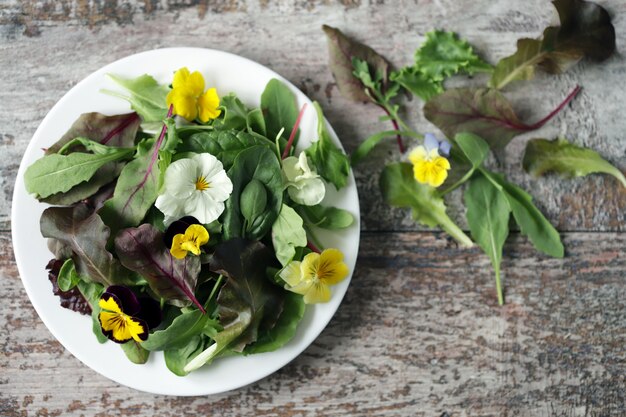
309, 192
220, 186
208, 165
203, 208
171, 206
180, 178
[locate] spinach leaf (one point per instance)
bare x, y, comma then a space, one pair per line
288, 234
119, 130
83, 231
224, 145
235, 114
68, 277
135, 353
136, 189
400, 189
55, 173
567, 159
330, 162
261, 164
252, 201
325, 217
146, 96
532, 223
484, 112
246, 302
488, 218
255, 122
585, 31
280, 109
176, 359
141, 249
285, 328
342, 50
184, 328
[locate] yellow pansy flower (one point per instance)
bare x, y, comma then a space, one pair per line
315, 274
428, 166
189, 99
194, 237
118, 325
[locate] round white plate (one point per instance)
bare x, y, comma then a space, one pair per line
228, 73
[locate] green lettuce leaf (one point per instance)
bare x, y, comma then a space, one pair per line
567, 159
145, 95
280, 109
288, 234
325, 217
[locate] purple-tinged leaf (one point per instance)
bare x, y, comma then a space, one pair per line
83, 231
141, 249
72, 299
118, 131
484, 112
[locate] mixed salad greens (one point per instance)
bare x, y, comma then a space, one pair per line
188, 226
476, 122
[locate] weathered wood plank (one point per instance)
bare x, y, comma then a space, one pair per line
47, 47
418, 334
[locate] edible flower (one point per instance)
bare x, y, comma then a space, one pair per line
124, 317
304, 185
429, 166
190, 241
189, 99
196, 186
315, 274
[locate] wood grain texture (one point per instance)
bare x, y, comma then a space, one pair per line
419, 333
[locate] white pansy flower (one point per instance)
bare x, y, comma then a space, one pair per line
303, 184
196, 186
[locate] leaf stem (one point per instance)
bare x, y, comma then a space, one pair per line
311, 246
453, 230
460, 182
395, 127
496, 267
554, 112
215, 287
292, 136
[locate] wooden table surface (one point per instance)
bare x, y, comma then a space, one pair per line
419, 332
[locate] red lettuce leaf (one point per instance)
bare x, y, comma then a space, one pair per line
141, 249
72, 299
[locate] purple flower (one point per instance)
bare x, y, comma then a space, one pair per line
431, 142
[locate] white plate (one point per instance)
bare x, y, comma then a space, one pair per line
229, 73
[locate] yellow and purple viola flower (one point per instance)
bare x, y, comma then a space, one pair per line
430, 163
313, 276
189, 99
124, 317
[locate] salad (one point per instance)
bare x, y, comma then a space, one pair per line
188, 225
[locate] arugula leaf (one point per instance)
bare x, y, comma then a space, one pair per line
488, 218
287, 234
444, 54
585, 31
146, 96
280, 109
136, 189
84, 232
135, 353
68, 278
184, 328
341, 51
330, 162
246, 302
325, 217
532, 223
119, 130
224, 145
255, 163
400, 189
285, 328
56, 173
567, 159
141, 249
484, 112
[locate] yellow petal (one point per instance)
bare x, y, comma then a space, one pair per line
417, 155
110, 304
180, 78
420, 172
136, 330
190, 246
332, 269
195, 84
198, 234
176, 250
318, 293
309, 266
184, 105
209, 103
442, 163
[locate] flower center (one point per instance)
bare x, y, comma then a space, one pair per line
202, 184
